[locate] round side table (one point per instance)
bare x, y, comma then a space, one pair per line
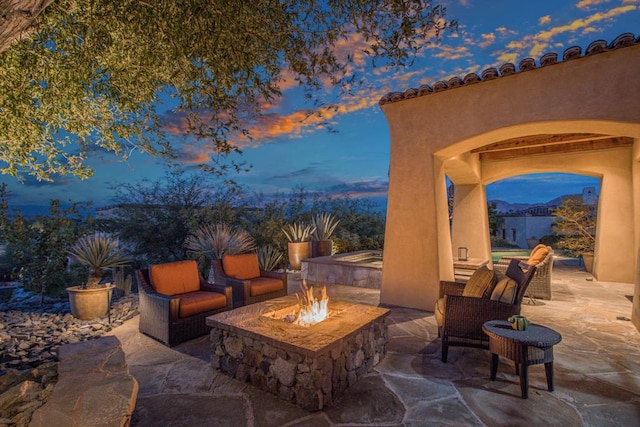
532, 346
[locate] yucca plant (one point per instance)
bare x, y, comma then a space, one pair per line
269, 256
212, 241
98, 251
299, 232
325, 224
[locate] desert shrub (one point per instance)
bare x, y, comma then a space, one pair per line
36, 248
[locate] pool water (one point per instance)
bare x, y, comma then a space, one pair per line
496, 255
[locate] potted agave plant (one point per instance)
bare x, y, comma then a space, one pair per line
299, 246
212, 241
98, 252
325, 224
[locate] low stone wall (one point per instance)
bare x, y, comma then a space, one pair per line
329, 270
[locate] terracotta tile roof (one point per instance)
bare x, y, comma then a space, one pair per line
574, 52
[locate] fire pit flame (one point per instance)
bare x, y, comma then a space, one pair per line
312, 310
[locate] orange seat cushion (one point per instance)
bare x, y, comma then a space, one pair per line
175, 277
200, 302
242, 266
538, 255
265, 285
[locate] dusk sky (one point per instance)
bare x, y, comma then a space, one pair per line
288, 151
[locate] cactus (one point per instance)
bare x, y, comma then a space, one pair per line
122, 283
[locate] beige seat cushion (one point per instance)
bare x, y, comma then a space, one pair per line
242, 266
480, 284
439, 312
200, 302
265, 285
175, 277
505, 290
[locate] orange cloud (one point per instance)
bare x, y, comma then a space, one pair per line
489, 39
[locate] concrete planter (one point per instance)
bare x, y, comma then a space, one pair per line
297, 252
87, 304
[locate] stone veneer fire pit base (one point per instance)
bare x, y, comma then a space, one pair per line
308, 366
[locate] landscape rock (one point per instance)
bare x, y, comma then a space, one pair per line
30, 337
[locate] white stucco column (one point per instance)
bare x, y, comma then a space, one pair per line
470, 226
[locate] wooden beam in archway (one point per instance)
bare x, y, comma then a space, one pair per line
550, 144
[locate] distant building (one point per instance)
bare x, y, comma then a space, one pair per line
524, 226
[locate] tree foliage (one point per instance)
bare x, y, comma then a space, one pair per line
575, 224
154, 218
90, 76
37, 248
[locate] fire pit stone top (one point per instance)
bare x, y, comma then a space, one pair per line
263, 321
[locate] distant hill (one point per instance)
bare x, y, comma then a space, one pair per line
505, 207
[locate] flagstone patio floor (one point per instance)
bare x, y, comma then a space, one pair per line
597, 373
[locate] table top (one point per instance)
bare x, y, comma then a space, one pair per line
535, 335
470, 262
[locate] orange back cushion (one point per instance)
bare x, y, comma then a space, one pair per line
175, 277
243, 266
538, 254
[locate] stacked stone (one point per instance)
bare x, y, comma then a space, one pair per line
311, 381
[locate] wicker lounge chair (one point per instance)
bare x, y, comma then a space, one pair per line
175, 301
460, 318
250, 284
540, 286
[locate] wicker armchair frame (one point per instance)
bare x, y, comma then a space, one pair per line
159, 313
540, 286
242, 288
464, 316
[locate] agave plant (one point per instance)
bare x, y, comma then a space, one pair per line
325, 224
212, 241
98, 251
299, 232
269, 256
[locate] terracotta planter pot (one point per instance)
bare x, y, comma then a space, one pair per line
87, 304
321, 248
297, 252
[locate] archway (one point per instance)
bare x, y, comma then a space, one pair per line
572, 116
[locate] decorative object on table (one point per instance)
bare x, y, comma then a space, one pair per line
463, 253
98, 252
518, 322
213, 241
299, 246
321, 243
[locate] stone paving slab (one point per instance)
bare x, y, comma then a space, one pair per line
597, 373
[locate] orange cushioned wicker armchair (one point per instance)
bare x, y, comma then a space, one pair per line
175, 301
488, 295
250, 284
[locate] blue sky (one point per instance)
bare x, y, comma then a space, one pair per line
288, 152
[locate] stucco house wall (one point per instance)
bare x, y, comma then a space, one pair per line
433, 133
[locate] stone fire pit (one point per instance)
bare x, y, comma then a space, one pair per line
310, 366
